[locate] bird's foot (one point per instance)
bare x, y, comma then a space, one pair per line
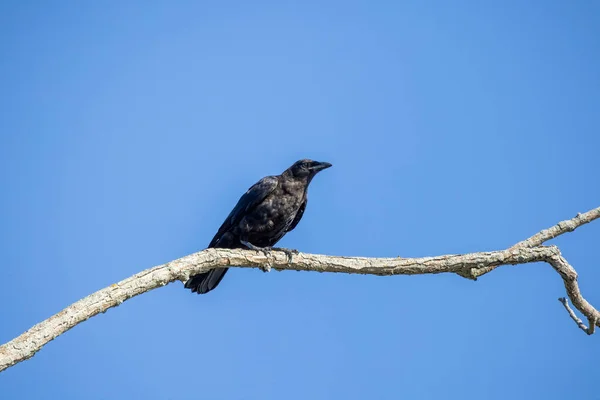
265, 250
288, 252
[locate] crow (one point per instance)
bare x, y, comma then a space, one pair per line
263, 215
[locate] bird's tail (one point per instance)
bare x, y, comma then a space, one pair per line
206, 281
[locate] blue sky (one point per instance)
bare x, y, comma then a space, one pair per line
128, 130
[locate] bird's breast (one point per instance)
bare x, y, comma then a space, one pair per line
271, 219
280, 208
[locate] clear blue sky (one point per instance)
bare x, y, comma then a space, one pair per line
130, 129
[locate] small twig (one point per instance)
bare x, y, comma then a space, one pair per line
575, 318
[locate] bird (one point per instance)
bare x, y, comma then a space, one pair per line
268, 210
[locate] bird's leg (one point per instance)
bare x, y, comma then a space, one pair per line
250, 246
266, 250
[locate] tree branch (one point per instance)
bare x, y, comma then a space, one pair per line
560, 228
469, 266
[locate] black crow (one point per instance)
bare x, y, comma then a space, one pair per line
263, 215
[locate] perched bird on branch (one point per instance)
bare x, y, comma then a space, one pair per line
263, 215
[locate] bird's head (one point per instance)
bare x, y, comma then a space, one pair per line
306, 168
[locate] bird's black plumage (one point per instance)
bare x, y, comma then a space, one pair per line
263, 215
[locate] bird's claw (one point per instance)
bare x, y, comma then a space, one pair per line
250, 246
266, 251
288, 252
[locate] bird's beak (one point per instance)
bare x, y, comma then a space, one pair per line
319, 166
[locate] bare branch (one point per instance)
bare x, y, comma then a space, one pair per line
547, 234
562, 227
577, 320
469, 266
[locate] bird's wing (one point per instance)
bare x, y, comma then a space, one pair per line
298, 216
257, 193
